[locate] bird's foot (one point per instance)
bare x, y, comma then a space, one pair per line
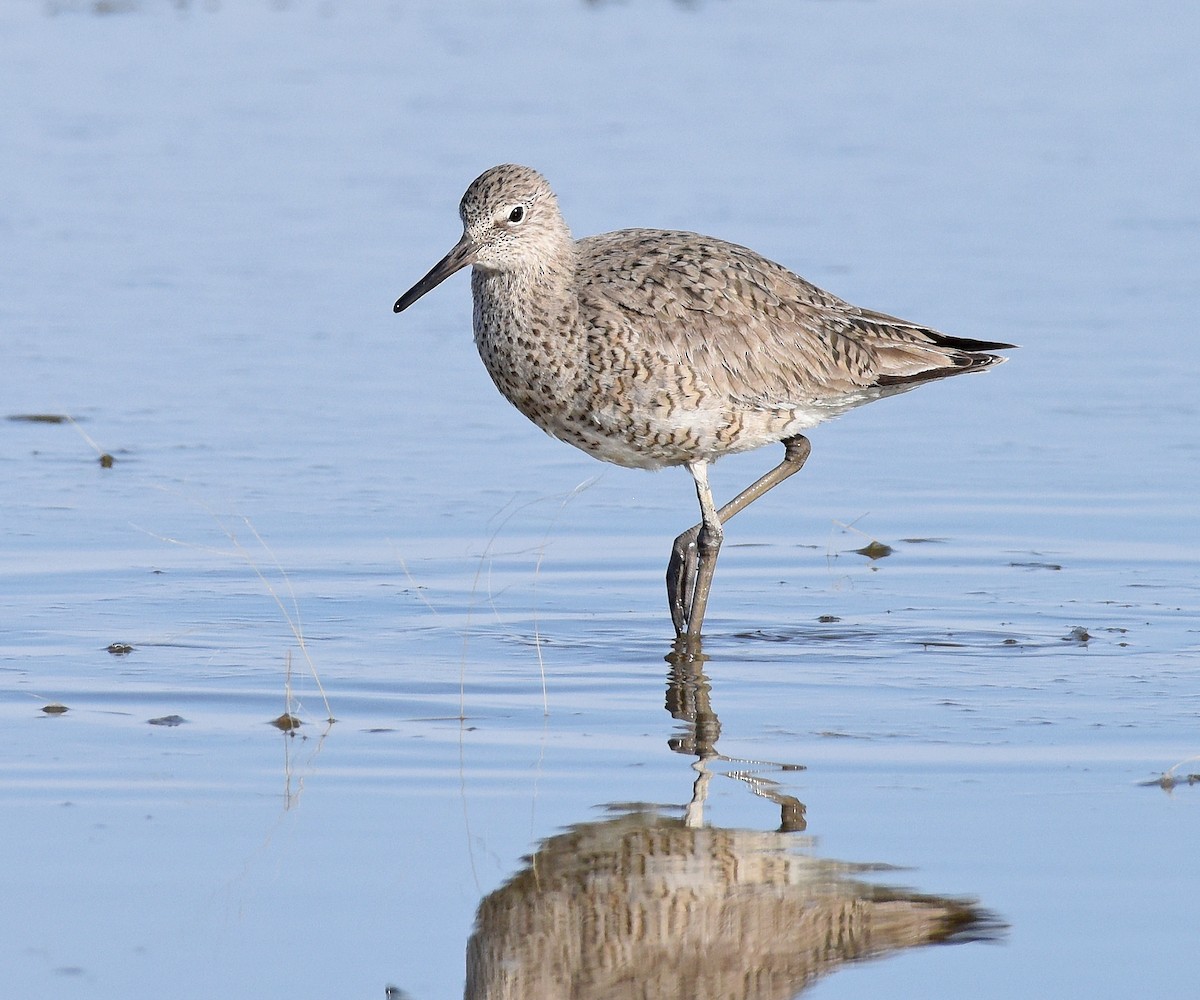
689, 577
681, 578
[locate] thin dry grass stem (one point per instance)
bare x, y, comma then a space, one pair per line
538, 768
587, 484
288, 701
483, 573
462, 793
291, 796
851, 527
106, 460
537, 633
293, 784
486, 557
1188, 760
416, 587
292, 618
86, 437
874, 549
462, 666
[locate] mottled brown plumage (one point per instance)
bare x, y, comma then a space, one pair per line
649, 348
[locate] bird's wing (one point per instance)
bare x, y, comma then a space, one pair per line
751, 328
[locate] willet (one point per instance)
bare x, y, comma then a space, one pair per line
649, 348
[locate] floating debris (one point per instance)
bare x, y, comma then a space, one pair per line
286, 722
1036, 565
1078, 634
106, 461
1169, 781
120, 649
167, 720
39, 418
875, 550
54, 708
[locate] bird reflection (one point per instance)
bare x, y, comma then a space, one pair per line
640, 905
649, 902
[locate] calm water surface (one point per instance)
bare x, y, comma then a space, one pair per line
210, 210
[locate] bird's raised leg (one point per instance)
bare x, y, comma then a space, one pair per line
686, 569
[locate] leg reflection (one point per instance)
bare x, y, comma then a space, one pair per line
689, 700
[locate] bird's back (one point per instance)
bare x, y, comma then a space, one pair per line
753, 331
699, 347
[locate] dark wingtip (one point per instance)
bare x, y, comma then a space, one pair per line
399, 306
971, 346
972, 356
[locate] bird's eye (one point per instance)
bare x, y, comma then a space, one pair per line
517, 214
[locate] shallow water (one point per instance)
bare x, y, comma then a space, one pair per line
211, 210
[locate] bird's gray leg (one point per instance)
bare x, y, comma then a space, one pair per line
682, 570
708, 544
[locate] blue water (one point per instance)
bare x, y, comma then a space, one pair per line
210, 209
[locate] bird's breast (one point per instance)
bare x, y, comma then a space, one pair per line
528, 349
594, 382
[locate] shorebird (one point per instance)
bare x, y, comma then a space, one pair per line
650, 348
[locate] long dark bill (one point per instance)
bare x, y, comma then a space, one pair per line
458, 258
